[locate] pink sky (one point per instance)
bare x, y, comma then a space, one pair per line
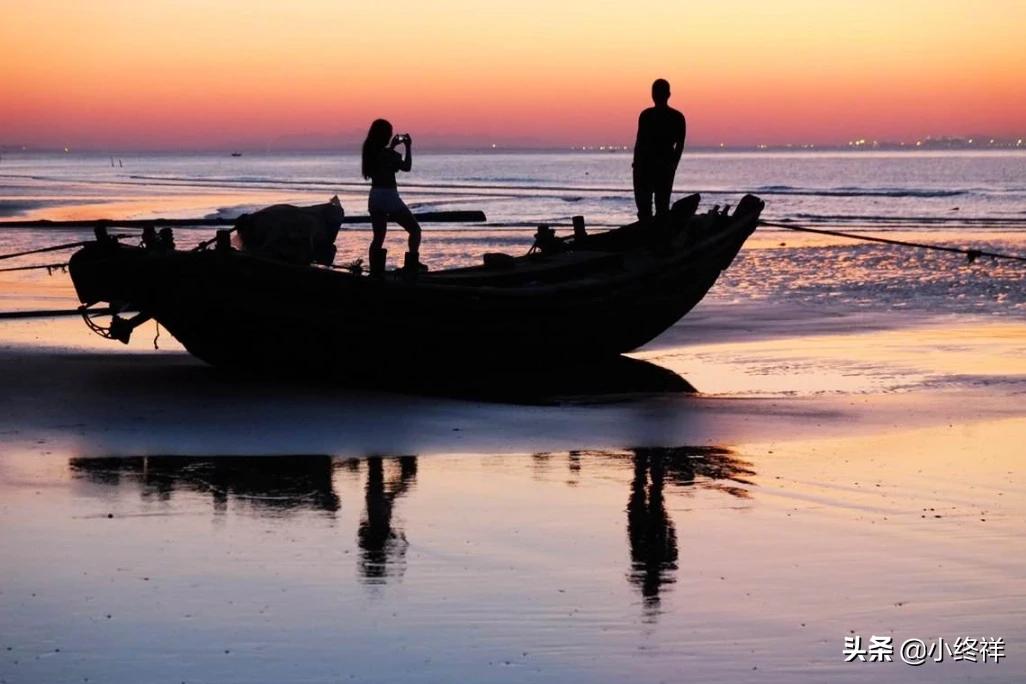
259, 74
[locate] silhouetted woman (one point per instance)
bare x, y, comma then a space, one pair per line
380, 163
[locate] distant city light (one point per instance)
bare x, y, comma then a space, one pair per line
856, 144
601, 148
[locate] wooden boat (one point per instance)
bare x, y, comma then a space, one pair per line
583, 298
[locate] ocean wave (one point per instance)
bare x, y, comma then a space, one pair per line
849, 191
474, 184
521, 185
241, 180
883, 218
7, 205
305, 182
493, 179
17, 207
234, 212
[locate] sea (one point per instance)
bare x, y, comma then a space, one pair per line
847, 475
966, 199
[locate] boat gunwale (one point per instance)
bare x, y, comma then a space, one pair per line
722, 233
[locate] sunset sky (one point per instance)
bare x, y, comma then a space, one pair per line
195, 74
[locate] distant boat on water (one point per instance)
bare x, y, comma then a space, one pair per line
236, 154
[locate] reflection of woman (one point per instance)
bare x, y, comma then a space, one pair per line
380, 163
382, 545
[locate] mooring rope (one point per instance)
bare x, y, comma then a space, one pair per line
206, 243
49, 267
972, 254
57, 248
53, 248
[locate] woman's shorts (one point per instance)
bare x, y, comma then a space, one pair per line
385, 201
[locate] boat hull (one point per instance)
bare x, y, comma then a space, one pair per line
237, 311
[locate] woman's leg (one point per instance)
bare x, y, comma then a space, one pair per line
376, 263
405, 219
380, 228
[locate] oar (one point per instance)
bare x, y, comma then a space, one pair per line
423, 217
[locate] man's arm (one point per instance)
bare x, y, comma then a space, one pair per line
678, 140
639, 140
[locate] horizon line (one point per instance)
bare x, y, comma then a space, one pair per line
918, 146
930, 142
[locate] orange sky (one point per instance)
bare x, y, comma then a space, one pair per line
194, 74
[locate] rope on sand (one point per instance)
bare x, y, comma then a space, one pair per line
971, 254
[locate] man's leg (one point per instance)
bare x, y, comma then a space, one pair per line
663, 187
642, 195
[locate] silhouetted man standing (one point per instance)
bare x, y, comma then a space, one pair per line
657, 150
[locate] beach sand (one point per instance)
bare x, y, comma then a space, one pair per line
834, 476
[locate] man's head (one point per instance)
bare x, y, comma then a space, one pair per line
660, 91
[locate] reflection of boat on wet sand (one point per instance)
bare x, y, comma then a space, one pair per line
578, 299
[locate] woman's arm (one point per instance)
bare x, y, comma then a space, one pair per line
407, 162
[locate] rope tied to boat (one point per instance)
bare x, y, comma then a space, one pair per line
50, 268
52, 248
40, 250
207, 243
971, 254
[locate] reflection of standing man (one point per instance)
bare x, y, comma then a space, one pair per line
657, 150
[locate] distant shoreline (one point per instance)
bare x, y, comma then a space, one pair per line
600, 150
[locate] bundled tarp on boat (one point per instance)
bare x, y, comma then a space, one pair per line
295, 235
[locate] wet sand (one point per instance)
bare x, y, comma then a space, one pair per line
834, 376
860, 475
